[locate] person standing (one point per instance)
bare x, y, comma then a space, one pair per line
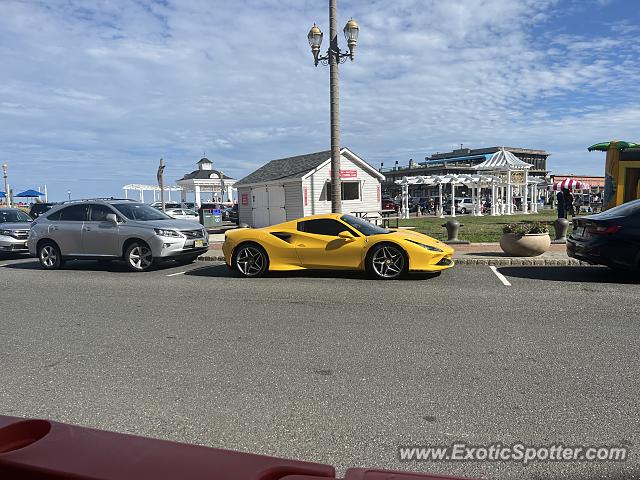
569, 203
562, 213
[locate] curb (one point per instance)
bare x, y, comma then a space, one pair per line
211, 258
522, 262
498, 262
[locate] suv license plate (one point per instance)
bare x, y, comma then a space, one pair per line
198, 243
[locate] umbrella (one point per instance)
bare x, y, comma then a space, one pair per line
604, 146
30, 193
569, 184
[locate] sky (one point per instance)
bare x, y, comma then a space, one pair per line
94, 93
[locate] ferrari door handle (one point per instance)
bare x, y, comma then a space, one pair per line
301, 245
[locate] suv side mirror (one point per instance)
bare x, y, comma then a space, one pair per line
111, 218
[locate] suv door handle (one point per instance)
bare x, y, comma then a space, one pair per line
87, 229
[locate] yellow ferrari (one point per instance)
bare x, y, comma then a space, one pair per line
336, 242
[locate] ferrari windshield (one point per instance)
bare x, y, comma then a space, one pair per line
364, 227
14, 216
140, 212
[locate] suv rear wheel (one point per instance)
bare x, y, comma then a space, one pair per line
139, 257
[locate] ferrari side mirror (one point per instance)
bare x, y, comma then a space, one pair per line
346, 235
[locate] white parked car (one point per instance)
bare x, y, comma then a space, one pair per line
182, 214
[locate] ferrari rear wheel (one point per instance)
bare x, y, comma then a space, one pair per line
251, 260
387, 262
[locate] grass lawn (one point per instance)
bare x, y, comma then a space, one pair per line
477, 229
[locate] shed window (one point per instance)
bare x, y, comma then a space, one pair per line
350, 191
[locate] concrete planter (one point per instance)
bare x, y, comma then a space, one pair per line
528, 245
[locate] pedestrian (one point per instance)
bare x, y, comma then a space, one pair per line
569, 203
562, 213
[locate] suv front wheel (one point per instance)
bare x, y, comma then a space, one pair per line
139, 257
49, 256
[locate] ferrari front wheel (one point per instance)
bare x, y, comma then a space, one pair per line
250, 260
387, 262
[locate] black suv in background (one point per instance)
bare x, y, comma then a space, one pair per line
38, 209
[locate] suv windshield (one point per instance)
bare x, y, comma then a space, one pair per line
140, 212
364, 227
14, 216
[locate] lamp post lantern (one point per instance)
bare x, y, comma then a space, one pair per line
7, 194
334, 57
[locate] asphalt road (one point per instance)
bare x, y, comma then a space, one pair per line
336, 369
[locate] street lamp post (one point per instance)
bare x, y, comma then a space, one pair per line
7, 194
334, 57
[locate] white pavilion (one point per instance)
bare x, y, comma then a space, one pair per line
504, 173
205, 180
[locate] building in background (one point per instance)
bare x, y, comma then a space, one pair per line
459, 161
296, 187
206, 182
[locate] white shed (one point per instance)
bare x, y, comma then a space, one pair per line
295, 187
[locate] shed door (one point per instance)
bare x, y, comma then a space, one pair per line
259, 207
277, 213
268, 206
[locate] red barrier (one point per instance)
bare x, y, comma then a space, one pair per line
45, 450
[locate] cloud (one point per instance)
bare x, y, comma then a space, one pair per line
102, 92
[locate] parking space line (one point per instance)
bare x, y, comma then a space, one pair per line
500, 276
174, 274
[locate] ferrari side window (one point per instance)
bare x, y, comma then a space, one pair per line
323, 227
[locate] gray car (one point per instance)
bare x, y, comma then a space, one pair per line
114, 229
14, 230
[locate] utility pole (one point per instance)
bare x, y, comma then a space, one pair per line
334, 98
161, 182
333, 58
7, 193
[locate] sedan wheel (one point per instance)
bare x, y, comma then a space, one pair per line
139, 257
387, 262
49, 256
251, 261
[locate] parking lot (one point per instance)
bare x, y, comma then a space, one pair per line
329, 367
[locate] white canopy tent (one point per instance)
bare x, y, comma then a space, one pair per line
153, 188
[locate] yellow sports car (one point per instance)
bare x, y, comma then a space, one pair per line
336, 242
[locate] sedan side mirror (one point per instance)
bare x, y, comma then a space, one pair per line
346, 235
111, 218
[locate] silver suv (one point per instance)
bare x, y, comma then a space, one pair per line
14, 230
107, 229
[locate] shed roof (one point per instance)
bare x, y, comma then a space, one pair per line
293, 168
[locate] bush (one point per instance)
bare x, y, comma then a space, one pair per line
525, 228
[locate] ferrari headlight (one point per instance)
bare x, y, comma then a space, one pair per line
167, 233
428, 247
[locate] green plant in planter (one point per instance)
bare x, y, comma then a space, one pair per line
525, 228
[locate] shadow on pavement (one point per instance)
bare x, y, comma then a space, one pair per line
572, 274
90, 266
224, 271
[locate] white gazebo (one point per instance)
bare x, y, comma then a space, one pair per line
140, 188
207, 180
512, 172
474, 181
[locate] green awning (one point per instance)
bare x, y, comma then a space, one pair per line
604, 146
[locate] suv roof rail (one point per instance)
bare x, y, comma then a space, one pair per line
100, 198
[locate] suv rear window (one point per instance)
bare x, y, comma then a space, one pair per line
72, 213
